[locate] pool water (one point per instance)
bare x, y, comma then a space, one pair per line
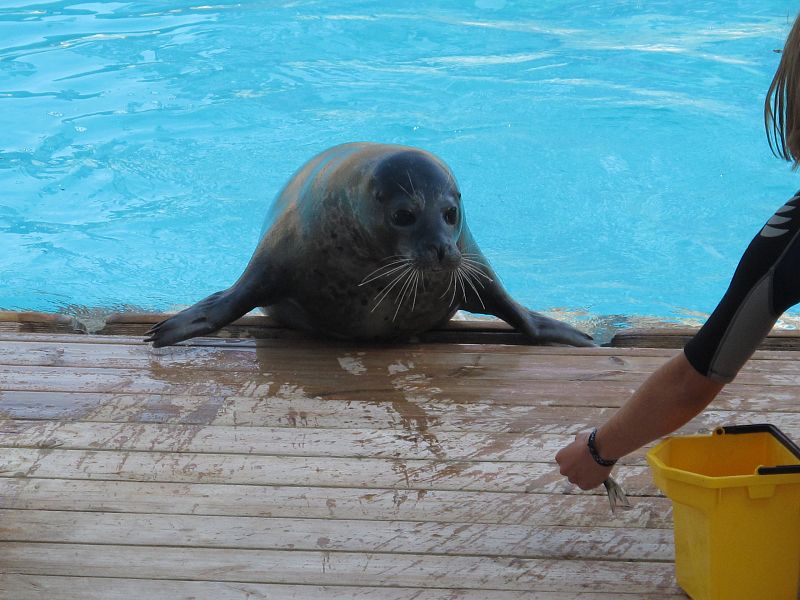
611, 153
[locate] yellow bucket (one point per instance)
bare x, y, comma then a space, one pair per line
736, 509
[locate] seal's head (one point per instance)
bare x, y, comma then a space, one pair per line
420, 208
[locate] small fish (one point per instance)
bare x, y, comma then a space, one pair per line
616, 495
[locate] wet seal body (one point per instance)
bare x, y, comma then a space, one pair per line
366, 242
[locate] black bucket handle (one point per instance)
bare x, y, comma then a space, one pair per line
774, 432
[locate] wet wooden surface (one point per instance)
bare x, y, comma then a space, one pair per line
677, 337
298, 469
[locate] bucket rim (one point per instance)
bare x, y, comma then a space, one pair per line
761, 476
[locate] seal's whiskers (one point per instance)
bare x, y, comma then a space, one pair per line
449, 283
460, 279
388, 269
477, 264
475, 273
405, 287
454, 286
405, 191
407, 278
471, 281
413, 191
403, 291
386, 274
381, 296
418, 275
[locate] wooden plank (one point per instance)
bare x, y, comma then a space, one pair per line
365, 361
778, 339
310, 343
578, 393
46, 587
477, 330
405, 537
305, 344
286, 441
408, 474
571, 509
179, 382
338, 568
292, 407
174, 382
354, 372
392, 378
278, 356
31, 322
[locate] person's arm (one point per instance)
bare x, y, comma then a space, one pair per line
671, 397
764, 285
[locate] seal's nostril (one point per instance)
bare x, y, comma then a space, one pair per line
437, 251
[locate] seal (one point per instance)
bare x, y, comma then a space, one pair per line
366, 242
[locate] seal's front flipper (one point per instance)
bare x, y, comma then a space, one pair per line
202, 318
539, 330
484, 294
551, 331
487, 296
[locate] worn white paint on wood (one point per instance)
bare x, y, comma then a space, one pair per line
40, 587
406, 537
509, 476
286, 441
337, 568
584, 509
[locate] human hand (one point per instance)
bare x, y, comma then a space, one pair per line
577, 464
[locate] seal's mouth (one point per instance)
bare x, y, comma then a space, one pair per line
404, 278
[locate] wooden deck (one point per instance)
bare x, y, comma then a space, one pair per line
299, 469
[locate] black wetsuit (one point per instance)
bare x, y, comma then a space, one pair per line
765, 284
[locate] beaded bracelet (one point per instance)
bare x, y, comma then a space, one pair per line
595, 454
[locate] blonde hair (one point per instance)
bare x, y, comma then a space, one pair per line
782, 104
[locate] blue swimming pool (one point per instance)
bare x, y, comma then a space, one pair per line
611, 153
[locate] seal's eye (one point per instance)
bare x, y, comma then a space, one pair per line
403, 218
451, 215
